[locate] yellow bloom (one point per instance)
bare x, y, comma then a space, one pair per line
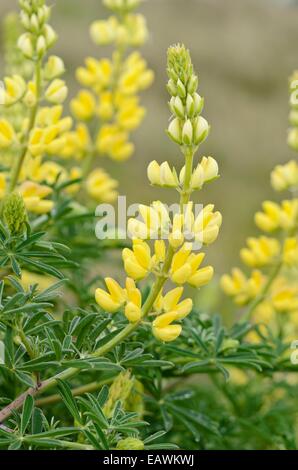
285, 300
2, 185
96, 75
105, 108
7, 134
241, 288
164, 330
133, 308
135, 75
112, 300
137, 262
100, 186
15, 88
46, 140
113, 141
207, 224
29, 279
129, 114
83, 106
77, 143
170, 303
104, 31
275, 216
260, 252
290, 251
54, 67
74, 174
34, 196
205, 172
162, 175
155, 222
56, 92
185, 268
285, 176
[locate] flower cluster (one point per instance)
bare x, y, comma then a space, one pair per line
171, 257
37, 140
272, 285
107, 109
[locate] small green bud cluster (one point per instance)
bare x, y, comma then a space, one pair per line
130, 443
120, 6
119, 391
39, 36
14, 213
187, 126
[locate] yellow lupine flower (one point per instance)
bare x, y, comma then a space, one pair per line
117, 297
2, 185
241, 288
47, 140
105, 107
290, 251
83, 106
54, 67
15, 88
113, 141
113, 299
7, 134
285, 176
162, 175
77, 142
129, 115
133, 308
96, 75
137, 262
104, 31
170, 303
155, 221
185, 268
207, 224
260, 252
164, 330
74, 174
29, 279
30, 98
34, 196
135, 76
56, 92
286, 300
100, 186
205, 172
275, 216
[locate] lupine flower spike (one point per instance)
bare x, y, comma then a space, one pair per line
171, 257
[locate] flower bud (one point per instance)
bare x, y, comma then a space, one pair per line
50, 35
192, 84
54, 68
201, 130
210, 168
153, 173
57, 92
14, 213
25, 19
177, 106
187, 133
25, 45
175, 131
181, 90
171, 87
41, 46
197, 179
34, 23
130, 443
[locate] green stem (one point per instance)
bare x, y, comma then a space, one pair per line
130, 328
15, 173
275, 271
90, 387
64, 444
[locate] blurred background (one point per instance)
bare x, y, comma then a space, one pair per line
244, 51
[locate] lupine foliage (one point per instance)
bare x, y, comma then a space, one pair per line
90, 363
